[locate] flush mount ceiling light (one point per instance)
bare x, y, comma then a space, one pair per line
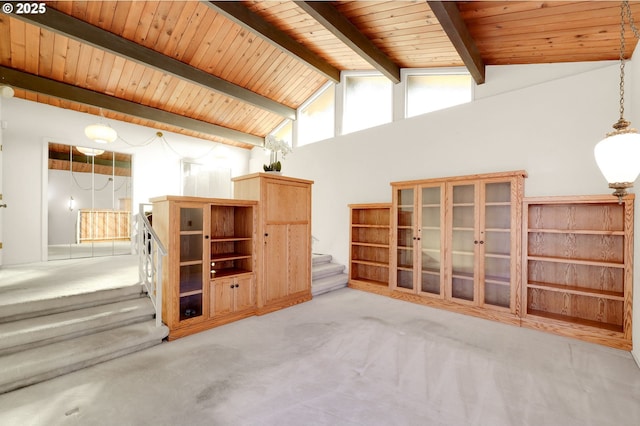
90, 152
618, 154
100, 133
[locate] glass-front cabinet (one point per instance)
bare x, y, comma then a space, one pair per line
418, 218
191, 261
481, 245
459, 239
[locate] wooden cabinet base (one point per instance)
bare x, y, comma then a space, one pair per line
197, 327
585, 332
490, 314
285, 302
582, 332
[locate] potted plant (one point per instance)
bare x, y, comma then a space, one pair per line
275, 146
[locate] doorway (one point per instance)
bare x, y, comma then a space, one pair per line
89, 202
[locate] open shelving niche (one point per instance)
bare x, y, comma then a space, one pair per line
231, 250
577, 273
370, 237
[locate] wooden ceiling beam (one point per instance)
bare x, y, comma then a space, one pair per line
83, 32
72, 93
329, 17
239, 14
448, 15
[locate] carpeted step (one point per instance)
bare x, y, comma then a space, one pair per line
329, 283
46, 304
32, 332
326, 269
39, 364
317, 259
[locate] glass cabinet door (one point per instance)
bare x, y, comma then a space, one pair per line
405, 223
191, 262
497, 247
431, 240
463, 242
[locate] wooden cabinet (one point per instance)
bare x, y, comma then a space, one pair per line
483, 228
284, 248
369, 242
577, 274
209, 241
232, 295
418, 237
456, 243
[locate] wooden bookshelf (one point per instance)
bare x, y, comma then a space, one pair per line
577, 269
369, 246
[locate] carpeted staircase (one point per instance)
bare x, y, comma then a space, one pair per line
50, 336
326, 275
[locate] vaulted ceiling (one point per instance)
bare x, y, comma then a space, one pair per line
233, 71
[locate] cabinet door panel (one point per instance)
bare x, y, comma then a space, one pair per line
275, 262
431, 242
221, 297
245, 293
299, 258
464, 241
286, 203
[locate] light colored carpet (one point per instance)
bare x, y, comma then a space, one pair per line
347, 358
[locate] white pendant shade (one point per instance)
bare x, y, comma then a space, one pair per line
618, 157
100, 133
91, 152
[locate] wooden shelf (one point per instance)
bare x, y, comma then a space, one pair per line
576, 261
372, 282
370, 263
577, 321
223, 257
222, 273
575, 231
190, 293
229, 239
605, 294
357, 243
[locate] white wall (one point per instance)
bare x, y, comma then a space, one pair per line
31, 126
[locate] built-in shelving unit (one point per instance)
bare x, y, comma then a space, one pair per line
370, 235
577, 274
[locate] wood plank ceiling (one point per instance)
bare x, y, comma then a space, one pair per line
233, 71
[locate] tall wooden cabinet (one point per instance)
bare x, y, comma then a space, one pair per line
577, 274
457, 243
209, 275
284, 242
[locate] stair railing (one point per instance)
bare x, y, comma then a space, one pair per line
151, 255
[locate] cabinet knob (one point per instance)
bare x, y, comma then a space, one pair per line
475, 242
206, 237
237, 285
231, 286
266, 235
481, 242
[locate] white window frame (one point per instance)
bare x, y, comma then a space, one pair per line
316, 95
343, 94
401, 103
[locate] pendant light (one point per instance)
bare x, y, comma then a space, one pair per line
618, 154
100, 133
90, 152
